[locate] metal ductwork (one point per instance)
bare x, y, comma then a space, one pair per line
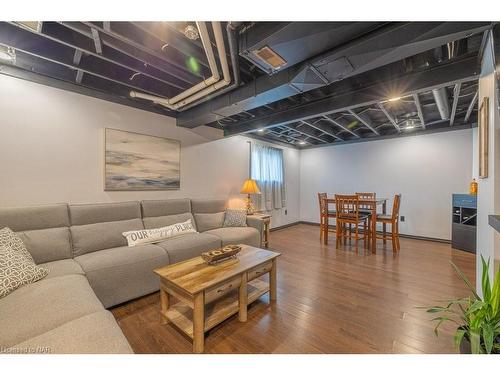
205, 87
441, 98
393, 42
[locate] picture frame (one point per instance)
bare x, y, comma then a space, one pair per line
140, 162
483, 137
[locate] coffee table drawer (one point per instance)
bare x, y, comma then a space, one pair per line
221, 289
259, 271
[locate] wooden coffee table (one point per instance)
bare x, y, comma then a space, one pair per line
209, 294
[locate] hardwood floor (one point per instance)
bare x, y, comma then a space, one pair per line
329, 301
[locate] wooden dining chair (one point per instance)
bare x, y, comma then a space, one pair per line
324, 218
363, 208
347, 207
393, 220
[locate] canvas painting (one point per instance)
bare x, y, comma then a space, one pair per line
140, 162
483, 137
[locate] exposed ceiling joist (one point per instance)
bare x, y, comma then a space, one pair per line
389, 116
394, 42
306, 132
365, 121
344, 128
462, 70
322, 128
456, 95
416, 99
97, 41
471, 106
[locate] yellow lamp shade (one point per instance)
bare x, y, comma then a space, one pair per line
250, 187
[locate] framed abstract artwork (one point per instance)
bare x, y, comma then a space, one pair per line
483, 119
135, 161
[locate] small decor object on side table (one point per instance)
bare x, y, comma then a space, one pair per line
250, 187
219, 255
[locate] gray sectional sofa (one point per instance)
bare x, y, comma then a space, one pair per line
92, 268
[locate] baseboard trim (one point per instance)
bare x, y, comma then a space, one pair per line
285, 226
409, 236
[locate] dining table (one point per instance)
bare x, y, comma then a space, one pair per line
371, 205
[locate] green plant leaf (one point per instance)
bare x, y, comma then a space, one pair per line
488, 337
495, 294
465, 280
475, 342
485, 280
459, 336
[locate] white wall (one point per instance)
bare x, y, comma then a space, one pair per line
488, 203
51, 150
425, 169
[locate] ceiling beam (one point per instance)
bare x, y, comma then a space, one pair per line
419, 110
344, 128
386, 45
97, 41
462, 70
54, 53
323, 129
306, 132
120, 52
456, 95
471, 106
389, 117
364, 120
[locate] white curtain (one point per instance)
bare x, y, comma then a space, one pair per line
267, 169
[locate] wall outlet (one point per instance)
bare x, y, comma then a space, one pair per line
402, 218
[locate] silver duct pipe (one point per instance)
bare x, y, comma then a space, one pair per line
205, 87
441, 98
202, 89
233, 51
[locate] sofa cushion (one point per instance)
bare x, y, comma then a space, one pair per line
16, 270
37, 308
153, 208
234, 236
47, 245
34, 217
92, 237
206, 222
81, 214
123, 273
163, 221
208, 206
189, 246
96, 333
62, 268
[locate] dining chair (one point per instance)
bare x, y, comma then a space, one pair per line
324, 218
363, 207
393, 220
347, 207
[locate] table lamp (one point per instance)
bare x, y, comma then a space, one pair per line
250, 187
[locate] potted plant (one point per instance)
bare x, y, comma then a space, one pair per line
477, 319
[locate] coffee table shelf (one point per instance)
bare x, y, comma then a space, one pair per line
181, 315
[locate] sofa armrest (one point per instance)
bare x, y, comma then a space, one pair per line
257, 223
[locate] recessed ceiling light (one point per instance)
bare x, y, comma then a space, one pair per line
7, 54
261, 130
302, 143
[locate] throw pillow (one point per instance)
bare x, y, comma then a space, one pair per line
235, 218
144, 236
206, 222
16, 270
10, 239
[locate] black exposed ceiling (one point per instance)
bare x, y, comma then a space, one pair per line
335, 86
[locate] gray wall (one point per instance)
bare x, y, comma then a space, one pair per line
51, 150
425, 169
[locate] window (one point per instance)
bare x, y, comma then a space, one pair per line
268, 170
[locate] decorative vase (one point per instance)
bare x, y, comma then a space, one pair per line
473, 187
